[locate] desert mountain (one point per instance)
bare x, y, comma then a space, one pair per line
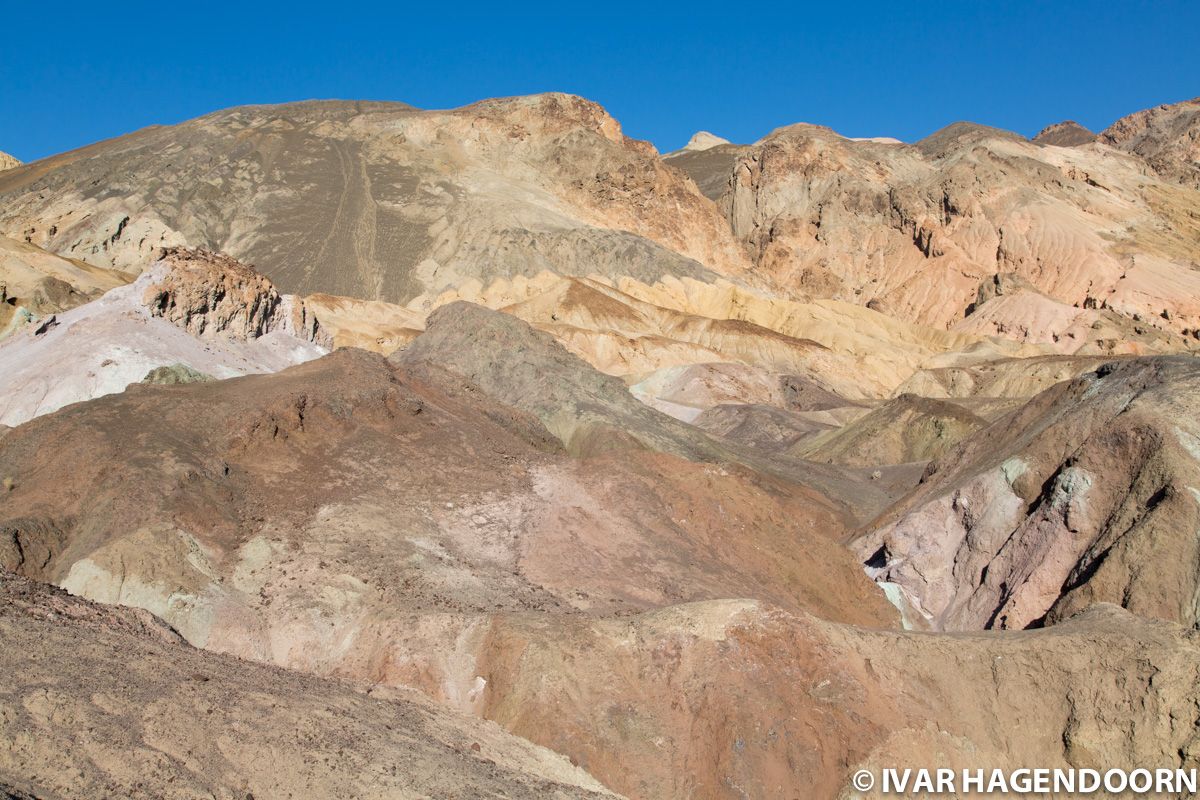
1167, 137
379, 200
721, 474
8, 162
350, 518
916, 230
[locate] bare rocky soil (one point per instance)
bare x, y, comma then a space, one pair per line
107, 702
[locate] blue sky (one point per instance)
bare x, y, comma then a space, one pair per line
73, 74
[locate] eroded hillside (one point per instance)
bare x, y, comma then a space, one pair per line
486, 452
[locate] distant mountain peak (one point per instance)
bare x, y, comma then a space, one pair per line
703, 140
1067, 133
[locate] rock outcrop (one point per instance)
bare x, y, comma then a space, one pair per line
175, 374
212, 296
205, 311
1007, 305
8, 162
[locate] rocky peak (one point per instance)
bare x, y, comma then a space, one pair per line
1166, 136
549, 112
1068, 133
8, 162
213, 296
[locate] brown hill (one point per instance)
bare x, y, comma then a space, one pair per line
1065, 134
735, 699
346, 518
34, 283
908, 428
592, 413
270, 477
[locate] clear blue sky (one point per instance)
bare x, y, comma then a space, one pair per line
73, 74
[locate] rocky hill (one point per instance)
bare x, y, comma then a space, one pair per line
1079, 496
1065, 134
1167, 137
821, 215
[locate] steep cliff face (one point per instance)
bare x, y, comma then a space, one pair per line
913, 231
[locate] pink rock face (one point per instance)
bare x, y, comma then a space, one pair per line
1078, 497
